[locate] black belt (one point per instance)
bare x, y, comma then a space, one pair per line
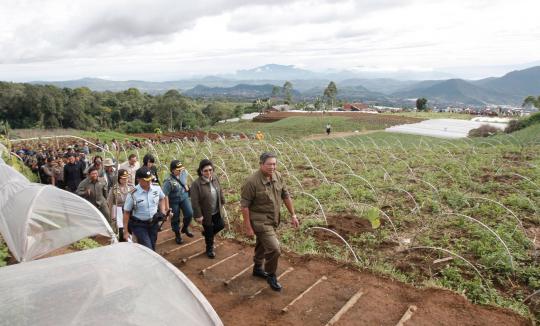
134, 219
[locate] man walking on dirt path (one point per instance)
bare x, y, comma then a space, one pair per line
261, 198
328, 129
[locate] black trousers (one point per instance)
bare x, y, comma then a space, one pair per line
211, 230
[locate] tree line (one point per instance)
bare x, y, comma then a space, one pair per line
45, 106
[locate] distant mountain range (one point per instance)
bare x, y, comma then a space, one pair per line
510, 89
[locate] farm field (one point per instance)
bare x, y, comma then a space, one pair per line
295, 124
456, 214
459, 214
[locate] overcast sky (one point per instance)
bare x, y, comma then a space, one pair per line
173, 39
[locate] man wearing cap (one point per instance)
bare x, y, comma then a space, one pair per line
95, 191
141, 207
176, 189
261, 198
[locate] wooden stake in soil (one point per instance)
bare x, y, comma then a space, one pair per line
290, 269
324, 278
345, 308
181, 247
407, 315
227, 282
203, 272
184, 260
163, 241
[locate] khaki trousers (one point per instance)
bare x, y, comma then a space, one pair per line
267, 251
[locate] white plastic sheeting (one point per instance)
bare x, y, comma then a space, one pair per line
443, 128
36, 219
121, 284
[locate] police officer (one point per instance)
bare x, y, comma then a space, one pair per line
141, 207
261, 198
177, 191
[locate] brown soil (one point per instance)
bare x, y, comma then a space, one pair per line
383, 303
376, 118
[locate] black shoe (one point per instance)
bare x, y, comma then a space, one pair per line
210, 253
273, 282
186, 231
178, 238
259, 272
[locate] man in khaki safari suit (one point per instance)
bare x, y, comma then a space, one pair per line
261, 198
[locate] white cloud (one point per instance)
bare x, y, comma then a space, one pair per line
166, 39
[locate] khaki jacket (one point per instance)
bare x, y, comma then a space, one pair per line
201, 196
96, 193
263, 198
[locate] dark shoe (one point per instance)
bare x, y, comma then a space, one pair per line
259, 272
273, 282
210, 253
186, 231
178, 238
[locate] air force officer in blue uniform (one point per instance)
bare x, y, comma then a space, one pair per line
140, 207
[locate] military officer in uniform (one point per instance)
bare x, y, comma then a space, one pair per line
117, 198
176, 189
262, 195
141, 207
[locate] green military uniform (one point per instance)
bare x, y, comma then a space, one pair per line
263, 198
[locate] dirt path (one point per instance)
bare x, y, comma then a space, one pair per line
247, 300
340, 134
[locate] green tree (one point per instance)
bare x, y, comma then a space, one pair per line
532, 100
287, 91
421, 104
275, 91
330, 93
217, 111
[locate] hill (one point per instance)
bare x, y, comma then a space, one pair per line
516, 84
239, 91
455, 91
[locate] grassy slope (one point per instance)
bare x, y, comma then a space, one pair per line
297, 126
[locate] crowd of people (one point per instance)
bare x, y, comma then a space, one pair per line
136, 202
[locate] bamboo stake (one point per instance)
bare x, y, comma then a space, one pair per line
227, 282
163, 241
407, 315
290, 269
345, 308
303, 293
184, 260
184, 246
203, 272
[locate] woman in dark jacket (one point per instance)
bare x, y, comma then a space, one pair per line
207, 201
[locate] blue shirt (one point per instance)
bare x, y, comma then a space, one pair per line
144, 204
173, 189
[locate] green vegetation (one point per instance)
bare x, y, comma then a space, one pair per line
401, 201
421, 104
85, 244
298, 126
37, 106
525, 122
4, 253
